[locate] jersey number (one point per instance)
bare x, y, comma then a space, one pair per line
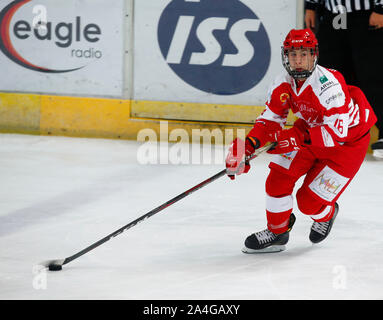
339, 125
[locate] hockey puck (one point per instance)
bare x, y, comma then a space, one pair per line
55, 267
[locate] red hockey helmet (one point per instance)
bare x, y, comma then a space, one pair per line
300, 39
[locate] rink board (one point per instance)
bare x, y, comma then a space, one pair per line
116, 118
99, 118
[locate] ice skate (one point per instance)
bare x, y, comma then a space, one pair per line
266, 241
320, 230
377, 149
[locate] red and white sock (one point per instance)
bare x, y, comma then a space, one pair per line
278, 211
325, 215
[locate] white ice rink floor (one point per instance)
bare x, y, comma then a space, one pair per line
59, 195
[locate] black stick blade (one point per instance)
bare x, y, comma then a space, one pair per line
53, 265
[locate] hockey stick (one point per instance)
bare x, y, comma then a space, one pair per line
55, 265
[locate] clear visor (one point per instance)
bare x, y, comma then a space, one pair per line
300, 63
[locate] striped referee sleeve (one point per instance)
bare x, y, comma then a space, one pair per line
378, 6
342, 6
311, 4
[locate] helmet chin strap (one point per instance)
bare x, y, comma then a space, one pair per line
301, 75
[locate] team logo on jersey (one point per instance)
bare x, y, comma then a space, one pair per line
221, 49
284, 97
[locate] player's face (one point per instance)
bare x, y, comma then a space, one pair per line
301, 59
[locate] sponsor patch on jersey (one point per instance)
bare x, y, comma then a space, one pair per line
328, 184
323, 79
334, 97
285, 159
327, 86
327, 138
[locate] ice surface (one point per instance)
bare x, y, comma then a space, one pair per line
59, 195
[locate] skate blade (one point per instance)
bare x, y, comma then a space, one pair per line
276, 248
378, 154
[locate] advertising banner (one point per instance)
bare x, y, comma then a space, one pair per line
63, 47
209, 51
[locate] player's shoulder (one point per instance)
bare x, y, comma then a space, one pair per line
282, 77
337, 74
280, 82
323, 75
328, 85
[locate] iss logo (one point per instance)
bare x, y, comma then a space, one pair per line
221, 49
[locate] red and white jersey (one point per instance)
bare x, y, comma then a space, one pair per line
324, 104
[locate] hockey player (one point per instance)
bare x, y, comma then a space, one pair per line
327, 143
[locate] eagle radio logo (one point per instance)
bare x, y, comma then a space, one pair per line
221, 49
23, 41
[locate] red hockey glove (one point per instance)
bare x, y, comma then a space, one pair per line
238, 151
288, 140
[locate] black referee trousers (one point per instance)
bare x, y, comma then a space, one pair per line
357, 52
